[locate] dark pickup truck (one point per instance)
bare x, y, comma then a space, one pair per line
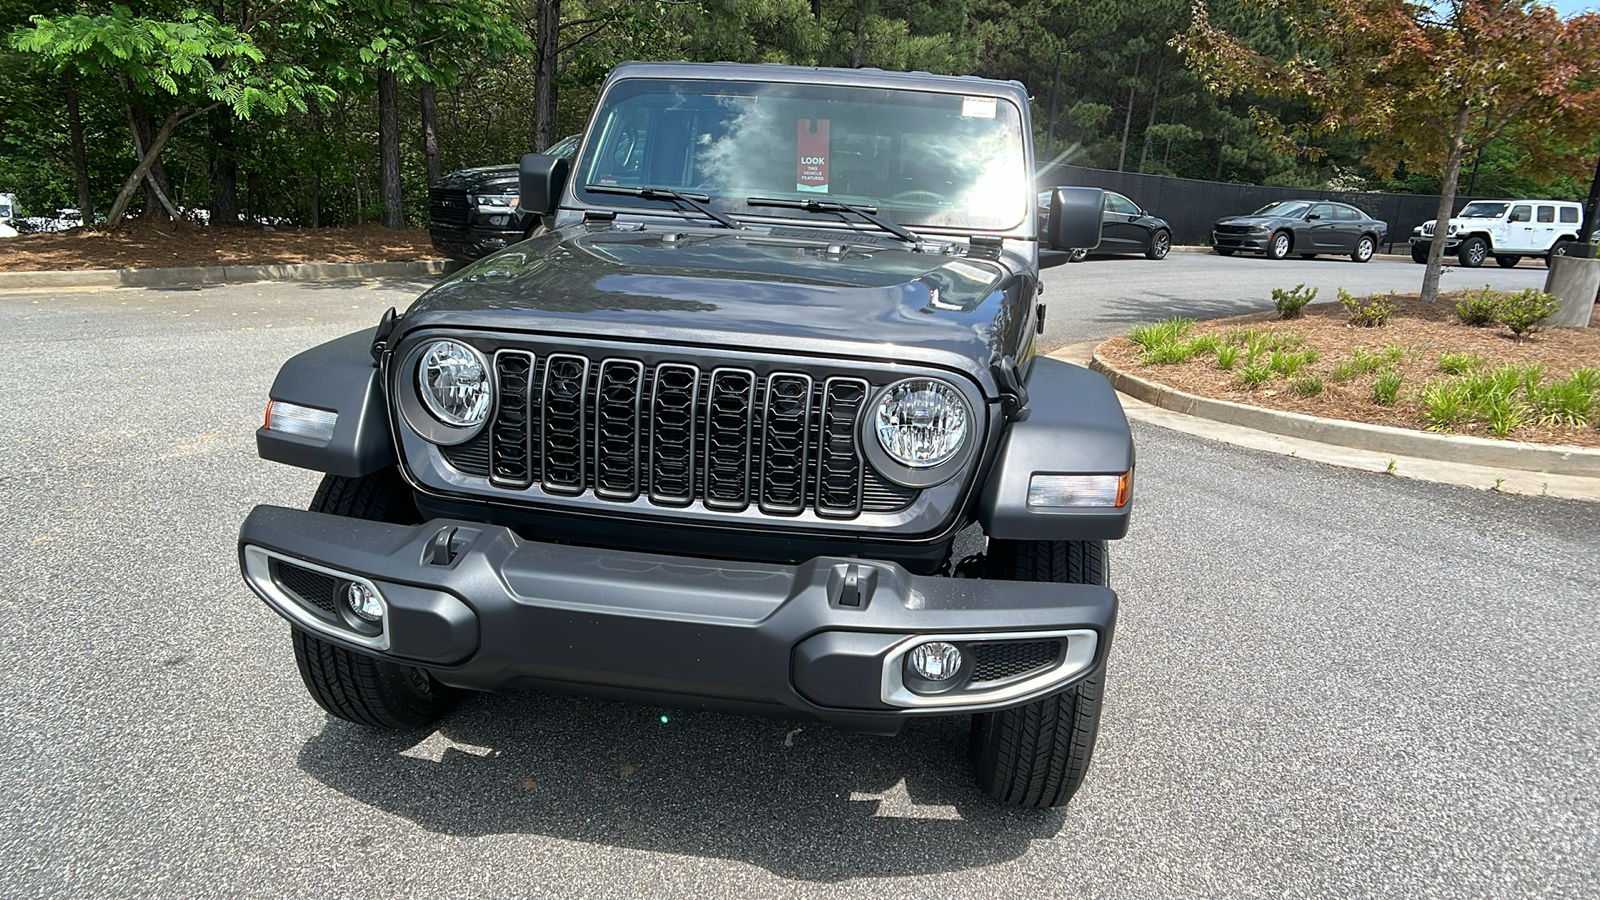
709, 440
474, 212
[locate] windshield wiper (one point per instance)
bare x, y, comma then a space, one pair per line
870, 213
698, 201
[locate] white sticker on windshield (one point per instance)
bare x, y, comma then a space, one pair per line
977, 107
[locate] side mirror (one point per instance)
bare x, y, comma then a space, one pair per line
1075, 214
543, 179
1312, 217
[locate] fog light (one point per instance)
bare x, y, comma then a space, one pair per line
303, 421
935, 661
364, 602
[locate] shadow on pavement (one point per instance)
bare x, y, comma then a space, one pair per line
796, 798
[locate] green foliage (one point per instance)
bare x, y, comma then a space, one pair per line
1290, 362
1292, 301
1370, 312
1166, 343
1386, 388
1227, 356
1567, 403
1479, 308
1308, 385
1525, 311
1508, 397
1459, 363
1254, 375
1364, 362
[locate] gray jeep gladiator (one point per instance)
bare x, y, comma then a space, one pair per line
709, 440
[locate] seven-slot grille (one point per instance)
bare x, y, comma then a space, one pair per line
676, 433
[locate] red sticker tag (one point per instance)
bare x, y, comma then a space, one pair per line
811, 170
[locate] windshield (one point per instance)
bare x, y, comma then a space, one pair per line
1287, 208
916, 157
1481, 209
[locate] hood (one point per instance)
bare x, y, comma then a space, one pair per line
472, 179
784, 291
1250, 220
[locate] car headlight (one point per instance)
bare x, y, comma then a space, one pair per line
496, 203
453, 380
921, 422
1453, 228
1260, 228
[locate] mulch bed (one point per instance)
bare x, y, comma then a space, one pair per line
137, 246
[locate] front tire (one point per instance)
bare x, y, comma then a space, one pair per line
1160, 245
354, 686
1037, 754
1473, 251
1365, 247
1077, 254
1506, 262
1419, 254
1280, 246
1223, 251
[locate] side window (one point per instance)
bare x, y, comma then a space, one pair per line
1119, 204
1547, 213
1321, 211
1522, 214
1569, 215
1347, 214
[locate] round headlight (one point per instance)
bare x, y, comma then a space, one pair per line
453, 380
921, 422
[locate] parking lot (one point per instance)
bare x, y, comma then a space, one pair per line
1325, 683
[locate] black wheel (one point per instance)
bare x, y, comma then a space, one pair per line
1506, 262
1280, 246
1419, 254
1308, 256
1473, 251
1160, 245
1365, 247
1560, 249
1077, 254
1223, 251
350, 685
1037, 754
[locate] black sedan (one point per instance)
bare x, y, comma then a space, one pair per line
1306, 227
1124, 228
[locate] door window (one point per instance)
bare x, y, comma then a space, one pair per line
1522, 214
1547, 213
1321, 211
1119, 204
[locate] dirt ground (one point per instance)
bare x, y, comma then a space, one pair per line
1425, 331
152, 247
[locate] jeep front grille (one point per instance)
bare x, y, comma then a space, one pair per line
676, 433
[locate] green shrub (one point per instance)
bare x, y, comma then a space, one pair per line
1291, 302
1167, 331
1479, 308
1205, 343
1505, 415
1308, 385
1568, 403
1443, 405
1227, 355
1365, 362
1386, 387
1375, 311
1524, 311
1290, 362
1255, 375
1459, 363
1167, 354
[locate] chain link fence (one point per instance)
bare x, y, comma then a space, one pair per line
1191, 206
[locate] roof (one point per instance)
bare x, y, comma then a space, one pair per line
878, 78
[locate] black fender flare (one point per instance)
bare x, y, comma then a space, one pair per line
339, 376
1073, 425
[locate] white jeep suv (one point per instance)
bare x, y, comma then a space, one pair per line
1508, 230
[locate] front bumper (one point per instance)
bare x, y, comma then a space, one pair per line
1424, 243
825, 639
1257, 243
472, 244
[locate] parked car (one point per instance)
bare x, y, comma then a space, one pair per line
708, 440
474, 212
1124, 228
1306, 227
1508, 230
8, 209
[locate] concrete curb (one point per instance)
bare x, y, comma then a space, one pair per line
82, 278
1449, 448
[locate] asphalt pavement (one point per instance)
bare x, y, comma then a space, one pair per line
1325, 683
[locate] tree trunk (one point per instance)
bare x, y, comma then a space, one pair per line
80, 163
143, 169
394, 214
430, 133
1155, 98
224, 170
1127, 120
547, 46
1447, 201
143, 126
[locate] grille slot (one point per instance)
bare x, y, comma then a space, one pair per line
785, 427
730, 416
999, 660
616, 429
310, 586
673, 399
562, 419
838, 460
509, 459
